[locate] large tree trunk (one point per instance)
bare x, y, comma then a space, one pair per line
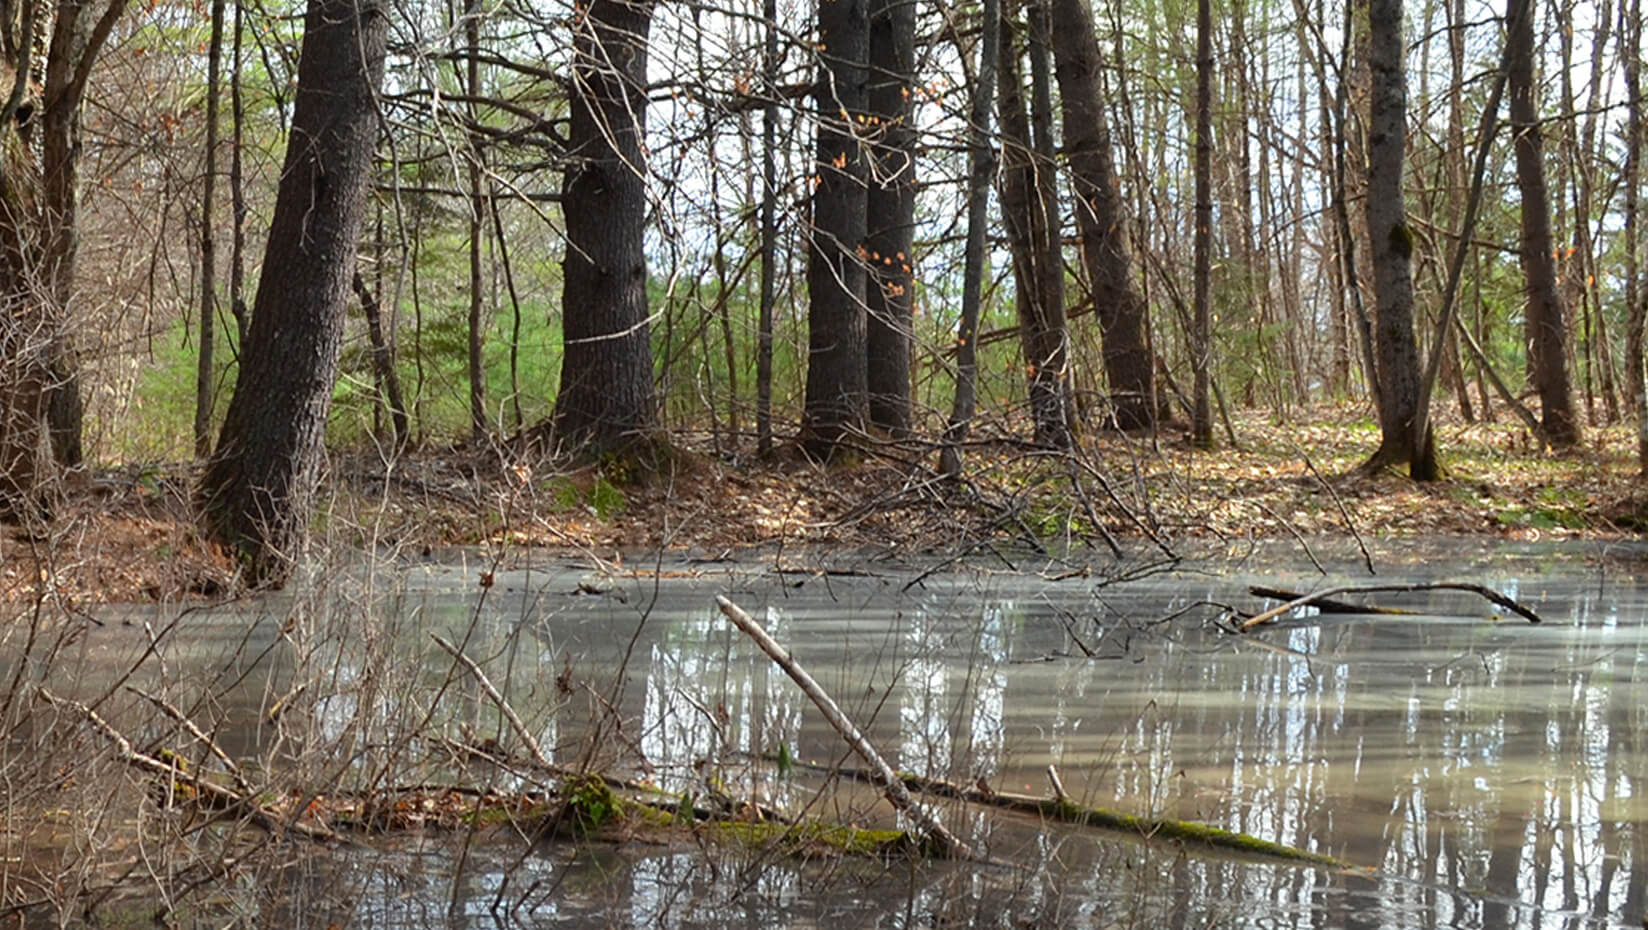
1030, 213
1547, 323
1391, 243
256, 491
890, 218
1099, 218
606, 399
836, 377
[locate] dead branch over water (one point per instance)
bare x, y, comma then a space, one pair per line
1326, 594
946, 843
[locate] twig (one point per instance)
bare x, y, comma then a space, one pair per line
195, 731
946, 843
1087, 504
1309, 553
498, 699
216, 792
1309, 599
1104, 485
1343, 513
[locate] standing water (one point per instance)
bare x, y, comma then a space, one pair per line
1474, 770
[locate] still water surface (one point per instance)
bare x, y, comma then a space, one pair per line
1486, 772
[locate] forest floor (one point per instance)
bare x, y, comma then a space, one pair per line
127, 534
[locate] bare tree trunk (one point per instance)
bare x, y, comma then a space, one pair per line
1447, 315
237, 192
205, 376
891, 214
1342, 196
980, 167
1100, 222
60, 160
1030, 213
606, 400
1047, 351
1453, 372
769, 230
383, 361
1579, 138
1630, 42
257, 488
1201, 333
1546, 314
477, 212
836, 385
1392, 246
40, 410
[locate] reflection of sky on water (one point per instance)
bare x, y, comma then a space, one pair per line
1489, 770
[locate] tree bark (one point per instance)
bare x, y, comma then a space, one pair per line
1201, 410
1458, 177
475, 169
890, 214
981, 165
1547, 317
1391, 243
1030, 213
1630, 40
40, 410
606, 401
383, 361
1099, 218
205, 376
836, 376
257, 488
769, 229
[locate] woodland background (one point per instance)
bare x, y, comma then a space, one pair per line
1127, 216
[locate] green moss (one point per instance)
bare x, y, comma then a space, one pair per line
1182, 831
1401, 240
496, 815
814, 836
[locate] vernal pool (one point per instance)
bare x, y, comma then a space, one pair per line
1482, 772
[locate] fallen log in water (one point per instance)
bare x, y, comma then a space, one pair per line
1067, 811
1316, 598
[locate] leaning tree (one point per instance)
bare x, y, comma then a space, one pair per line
256, 490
